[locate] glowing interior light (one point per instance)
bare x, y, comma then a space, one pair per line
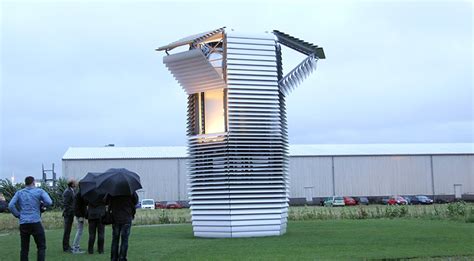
214, 118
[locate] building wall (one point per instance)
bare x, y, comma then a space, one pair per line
310, 175
382, 175
450, 170
166, 180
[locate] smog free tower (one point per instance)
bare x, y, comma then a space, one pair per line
237, 129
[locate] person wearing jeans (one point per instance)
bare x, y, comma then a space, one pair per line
80, 213
120, 232
95, 214
123, 212
25, 205
76, 245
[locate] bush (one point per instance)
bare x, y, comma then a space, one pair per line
456, 209
362, 213
470, 216
164, 218
8, 189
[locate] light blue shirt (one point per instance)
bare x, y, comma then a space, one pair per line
26, 202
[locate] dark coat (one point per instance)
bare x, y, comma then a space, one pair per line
68, 202
95, 211
123, 208
80, 207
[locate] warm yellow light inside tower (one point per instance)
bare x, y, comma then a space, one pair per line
214, 113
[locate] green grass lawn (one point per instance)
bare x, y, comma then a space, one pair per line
319, 239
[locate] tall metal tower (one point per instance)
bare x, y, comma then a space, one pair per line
237, 128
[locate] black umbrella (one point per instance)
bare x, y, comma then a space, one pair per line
118, 182
88, 188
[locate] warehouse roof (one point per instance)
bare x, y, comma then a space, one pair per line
75, 153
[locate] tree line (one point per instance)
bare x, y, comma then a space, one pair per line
8, 189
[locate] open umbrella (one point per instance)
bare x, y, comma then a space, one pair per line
118, 182
88, 188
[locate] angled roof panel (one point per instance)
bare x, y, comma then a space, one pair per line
299, 45
193, 71
190, 39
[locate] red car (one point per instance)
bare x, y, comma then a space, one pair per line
397, 200
159, 205
348, 201
173, 205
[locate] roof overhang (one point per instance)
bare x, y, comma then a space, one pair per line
191, 39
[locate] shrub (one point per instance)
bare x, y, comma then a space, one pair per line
403, 211
456, 209
164, 218
470, 216
8, 189
362, 213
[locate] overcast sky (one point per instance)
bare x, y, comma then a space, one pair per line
86, 73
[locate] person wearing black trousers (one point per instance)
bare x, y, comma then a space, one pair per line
95, 214
68, 213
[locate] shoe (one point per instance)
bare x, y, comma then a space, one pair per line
69, 250
78, 251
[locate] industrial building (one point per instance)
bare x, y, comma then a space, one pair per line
316, 171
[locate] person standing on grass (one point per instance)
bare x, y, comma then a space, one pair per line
68, 213
95, 213
25, 205
80, 209
123, 212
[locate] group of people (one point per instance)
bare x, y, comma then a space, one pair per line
27, 205
74, 206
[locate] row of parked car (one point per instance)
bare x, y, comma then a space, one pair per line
336, 201
408, 200
393, 200
152, 204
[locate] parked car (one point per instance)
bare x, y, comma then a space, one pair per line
441, 201
148, 204
396, 200
334, 202
409, 199
348, 201
173, 205
421, 200
363, 201
159, 204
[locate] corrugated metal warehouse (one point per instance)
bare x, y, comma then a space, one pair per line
316, 171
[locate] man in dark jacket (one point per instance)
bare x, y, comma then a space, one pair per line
95, 213
68, 213
123, 211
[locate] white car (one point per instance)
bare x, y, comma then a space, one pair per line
148, 204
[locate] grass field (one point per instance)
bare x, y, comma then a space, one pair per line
319, 239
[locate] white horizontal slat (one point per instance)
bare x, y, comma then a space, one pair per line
193, 71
